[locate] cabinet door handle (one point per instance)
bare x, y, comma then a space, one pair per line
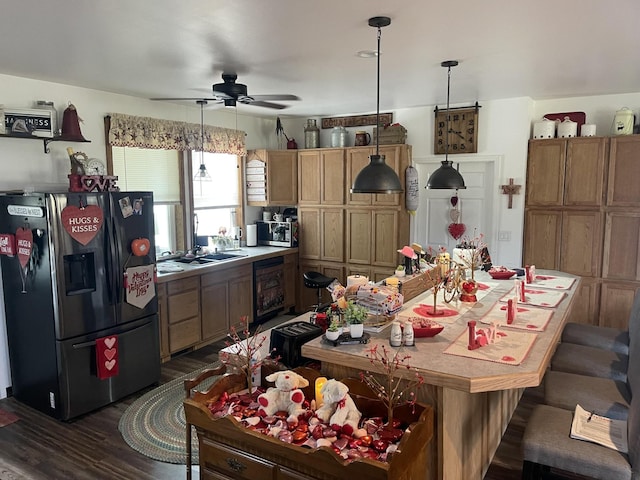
235, 465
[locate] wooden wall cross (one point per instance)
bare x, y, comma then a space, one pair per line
511, 189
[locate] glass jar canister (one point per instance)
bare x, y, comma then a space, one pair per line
311, 134
46, 105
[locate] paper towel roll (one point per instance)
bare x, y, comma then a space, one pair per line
357, 280
252, 235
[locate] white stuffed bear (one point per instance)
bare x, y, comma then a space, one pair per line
338, 407
285, 396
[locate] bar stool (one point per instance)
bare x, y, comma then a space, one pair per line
318, 281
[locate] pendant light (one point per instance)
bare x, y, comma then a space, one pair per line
377, 177
447, 177
202, 175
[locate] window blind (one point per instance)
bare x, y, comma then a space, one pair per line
148, 170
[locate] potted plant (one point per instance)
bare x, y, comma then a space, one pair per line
334, 330
400, 271
354, 316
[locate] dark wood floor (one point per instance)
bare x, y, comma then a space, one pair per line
37, 447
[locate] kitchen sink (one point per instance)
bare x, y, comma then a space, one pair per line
222, 256
193, 261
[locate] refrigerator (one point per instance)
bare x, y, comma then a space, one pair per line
78, 272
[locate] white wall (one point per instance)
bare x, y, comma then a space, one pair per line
504, 129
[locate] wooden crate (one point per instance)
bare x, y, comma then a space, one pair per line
412, 286
229, 450
391, 135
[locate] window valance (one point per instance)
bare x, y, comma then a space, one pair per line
146, 132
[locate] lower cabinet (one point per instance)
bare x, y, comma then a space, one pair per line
290, 281
183, 313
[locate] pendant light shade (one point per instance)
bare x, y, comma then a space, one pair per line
202, 175
447, 177
377, 177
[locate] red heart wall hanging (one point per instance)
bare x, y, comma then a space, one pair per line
83, 224
24, 242
456, 230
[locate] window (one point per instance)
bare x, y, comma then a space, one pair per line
216, 198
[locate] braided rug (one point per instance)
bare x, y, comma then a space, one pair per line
154, 424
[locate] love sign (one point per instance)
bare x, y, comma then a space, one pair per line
83, 224
24, 244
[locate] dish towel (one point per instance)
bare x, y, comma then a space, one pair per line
107, 357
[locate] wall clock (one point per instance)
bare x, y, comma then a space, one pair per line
463, 130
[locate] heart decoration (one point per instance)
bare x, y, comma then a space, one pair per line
24, 243
456, 230
110, 353
110, 342
454, 200
454, 215
110, 364
83, 224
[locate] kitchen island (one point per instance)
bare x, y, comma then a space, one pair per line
473, 399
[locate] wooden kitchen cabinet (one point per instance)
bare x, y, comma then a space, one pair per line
321, 176
624, 172
183, 313
240, 293
215, 308
280, 177
358, 232
163, 320
582, 216
565, 172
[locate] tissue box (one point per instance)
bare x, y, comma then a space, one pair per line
391, 135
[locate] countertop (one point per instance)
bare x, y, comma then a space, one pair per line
169, 270
460, 373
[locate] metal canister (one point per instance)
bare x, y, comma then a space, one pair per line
311, 134
339, 137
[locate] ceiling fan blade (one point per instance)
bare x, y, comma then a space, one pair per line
186, 99
276, 106
222, 96
275, 97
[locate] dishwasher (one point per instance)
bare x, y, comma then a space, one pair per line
268, 288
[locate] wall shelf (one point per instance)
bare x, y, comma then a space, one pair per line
46, 140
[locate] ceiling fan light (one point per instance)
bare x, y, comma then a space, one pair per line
446, 177
377, 177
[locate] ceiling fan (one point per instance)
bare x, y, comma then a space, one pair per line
229, 92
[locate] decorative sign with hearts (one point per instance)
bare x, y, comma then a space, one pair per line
107, 357
139, 286
7, 244
83, 224
456, 230
24, 242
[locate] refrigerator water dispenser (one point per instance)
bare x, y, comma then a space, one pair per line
79, 273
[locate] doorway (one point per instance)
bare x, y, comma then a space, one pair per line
477, 203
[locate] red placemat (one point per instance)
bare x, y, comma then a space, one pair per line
551, 281
512, 348
528, 318
539, 298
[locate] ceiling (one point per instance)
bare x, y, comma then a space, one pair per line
174, 48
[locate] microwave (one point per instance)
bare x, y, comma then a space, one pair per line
278, 234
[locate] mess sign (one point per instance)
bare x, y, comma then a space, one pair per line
83, 224
24, 244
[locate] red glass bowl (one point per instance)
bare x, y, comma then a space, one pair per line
502, 275
426, 328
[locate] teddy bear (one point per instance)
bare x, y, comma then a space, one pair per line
286, 395
338, 408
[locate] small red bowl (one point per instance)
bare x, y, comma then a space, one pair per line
502, 275
426, 328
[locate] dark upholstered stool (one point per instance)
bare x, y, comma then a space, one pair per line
606, 338
590, 361
546, 443
606, 397
318, 281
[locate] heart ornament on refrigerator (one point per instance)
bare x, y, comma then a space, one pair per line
83, 224
24, 244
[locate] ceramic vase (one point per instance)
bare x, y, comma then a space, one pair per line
356, 330
333, 336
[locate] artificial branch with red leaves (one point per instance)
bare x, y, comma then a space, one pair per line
393, 389
244, 349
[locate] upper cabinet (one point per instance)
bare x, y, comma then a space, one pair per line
358, 158
272, 177
321, 176
624, 172
566, 172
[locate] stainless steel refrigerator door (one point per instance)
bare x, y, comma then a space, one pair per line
131, 219
139, 366
84, 275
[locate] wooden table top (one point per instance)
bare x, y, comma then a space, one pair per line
460, 373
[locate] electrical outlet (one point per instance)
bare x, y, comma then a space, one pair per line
504, 236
